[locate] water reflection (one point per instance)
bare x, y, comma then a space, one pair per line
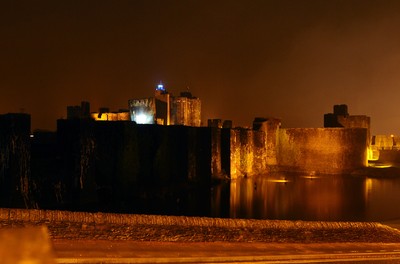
309, 197
278, 196
383, 198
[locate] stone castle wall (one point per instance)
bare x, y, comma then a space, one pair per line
15, 161
113, 159
271, 128
385, 149
248, 152
385, 142
322, 150
145, 152
317, 150
117, 116
243, 152
107, 163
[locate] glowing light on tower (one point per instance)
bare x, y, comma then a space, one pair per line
160, 87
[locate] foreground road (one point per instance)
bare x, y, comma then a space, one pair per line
90, 251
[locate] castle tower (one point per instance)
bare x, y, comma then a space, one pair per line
162, 98
186, 110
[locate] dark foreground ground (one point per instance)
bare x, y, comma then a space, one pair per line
84, 251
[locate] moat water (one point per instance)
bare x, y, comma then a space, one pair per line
311, 197
285, 197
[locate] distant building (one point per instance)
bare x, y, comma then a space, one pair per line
186, 110
79, 111
217, 123
227, 124
17, 122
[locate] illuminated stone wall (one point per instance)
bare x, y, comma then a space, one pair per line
195, 112
250, 151
322, 150
186, 111
241, 152
246, 150
271, 127
179, 113
386, 149
216, 152
351, 121
357, 121
268, 147
384, 142
117, 116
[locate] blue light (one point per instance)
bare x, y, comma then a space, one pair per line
160, 87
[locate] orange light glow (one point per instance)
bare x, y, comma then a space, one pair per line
278, 181
310, 177
372, 154
380, 166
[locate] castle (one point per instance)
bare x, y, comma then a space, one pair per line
86, 161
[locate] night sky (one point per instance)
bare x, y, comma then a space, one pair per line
288, 59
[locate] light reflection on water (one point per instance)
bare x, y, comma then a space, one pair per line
308, 197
